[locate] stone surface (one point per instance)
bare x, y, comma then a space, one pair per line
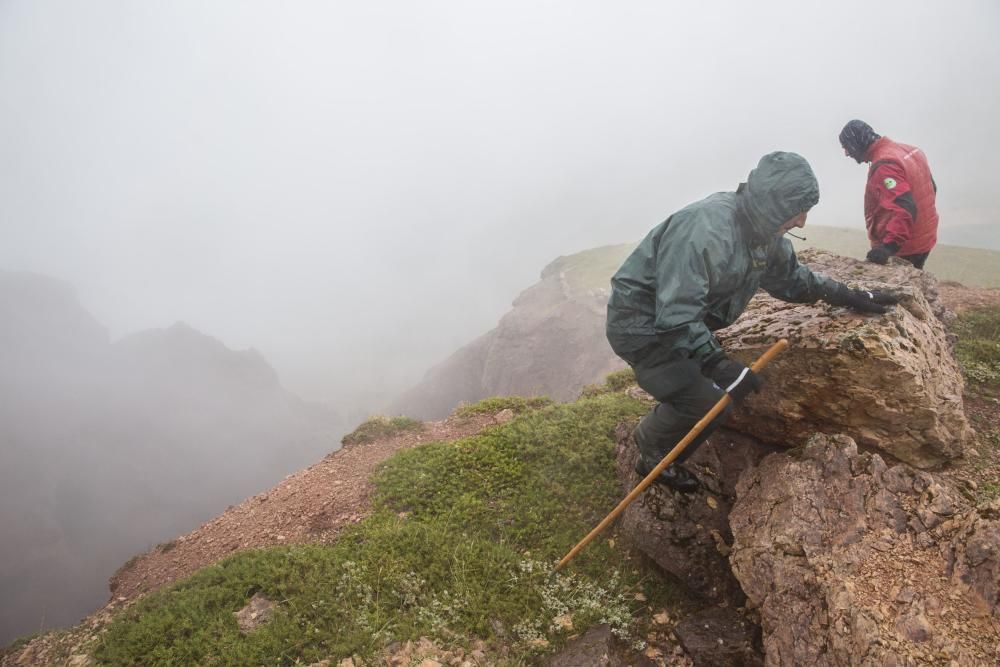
257, 612
849, 561
719, 637
888, 381
687, 534
975, 553
595, 648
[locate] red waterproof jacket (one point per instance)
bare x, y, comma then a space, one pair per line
900, 198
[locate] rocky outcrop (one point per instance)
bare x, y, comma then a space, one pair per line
889, 381
849, 561
595, 648
720, 636
687, 534
551, 343
974, 553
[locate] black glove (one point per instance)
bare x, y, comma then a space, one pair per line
731, 376
874, 301
882, 253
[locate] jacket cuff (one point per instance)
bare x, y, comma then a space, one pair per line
708, 353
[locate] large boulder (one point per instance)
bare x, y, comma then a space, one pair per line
851, 562
889, 381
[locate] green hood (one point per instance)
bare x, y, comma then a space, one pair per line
697, 270
782, 186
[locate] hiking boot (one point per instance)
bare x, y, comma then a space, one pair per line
674, 476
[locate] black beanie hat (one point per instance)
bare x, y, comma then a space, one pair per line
856, 137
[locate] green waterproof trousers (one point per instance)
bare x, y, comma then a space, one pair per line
684, 395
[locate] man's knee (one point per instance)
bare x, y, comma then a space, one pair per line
664, 381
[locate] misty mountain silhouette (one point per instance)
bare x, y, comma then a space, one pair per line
108, 448
550, 343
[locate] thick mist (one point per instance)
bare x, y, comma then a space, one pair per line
111, 448
354, 190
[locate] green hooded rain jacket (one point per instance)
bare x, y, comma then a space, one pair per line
696, 271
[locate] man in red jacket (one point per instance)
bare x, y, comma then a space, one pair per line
900, 213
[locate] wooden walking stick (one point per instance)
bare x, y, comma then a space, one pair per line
764, 360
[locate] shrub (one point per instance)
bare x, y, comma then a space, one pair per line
516, 404
978, 347
616, 381
380, 426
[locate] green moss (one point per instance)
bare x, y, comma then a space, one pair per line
592, 269
978, 347
491, 406
989, 492
380, 426
460, 548
613, 382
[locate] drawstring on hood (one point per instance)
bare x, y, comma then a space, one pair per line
782, 186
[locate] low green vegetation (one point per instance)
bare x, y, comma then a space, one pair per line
613, 382
516, 404
592, 269
460, 549
978, 347
381, 426
989, 492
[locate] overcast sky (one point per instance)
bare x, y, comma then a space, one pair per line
357, 188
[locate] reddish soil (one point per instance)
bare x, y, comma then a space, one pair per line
312, 505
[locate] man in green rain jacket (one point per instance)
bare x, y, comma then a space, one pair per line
695, 273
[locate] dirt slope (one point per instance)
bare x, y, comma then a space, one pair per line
310, 506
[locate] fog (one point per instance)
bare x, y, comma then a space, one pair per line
356, 189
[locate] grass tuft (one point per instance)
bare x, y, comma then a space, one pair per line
978, 347
380, 426
490, 406
613, 382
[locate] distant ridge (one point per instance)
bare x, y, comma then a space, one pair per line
974, 267
560, 320
109, 447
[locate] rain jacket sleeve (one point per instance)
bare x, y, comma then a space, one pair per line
788, 280
685, 255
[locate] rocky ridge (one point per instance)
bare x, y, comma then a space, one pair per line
839, 556
551, 343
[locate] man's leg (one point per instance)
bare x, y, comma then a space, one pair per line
917, 260
685, 397
667, 424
